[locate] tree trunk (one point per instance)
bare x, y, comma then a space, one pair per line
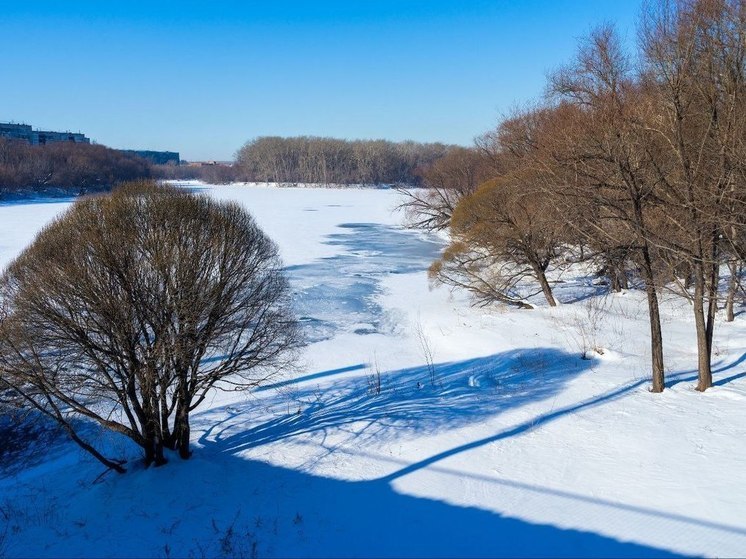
617, 279
616, 272
151, 430
165, 431
184, 436
614, 284
116, 466
688, 277
182, 433
704, 371
656, 334
712, 297
734, 269
621, 275
545, 287
710, 279
154, 452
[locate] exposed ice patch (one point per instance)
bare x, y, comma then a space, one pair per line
338, 293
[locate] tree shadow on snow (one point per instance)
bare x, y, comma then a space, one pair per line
554, 414
465, 392
219, 505
718, 368
416, 400
284, 512
369, 517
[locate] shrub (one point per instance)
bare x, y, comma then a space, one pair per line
130, 308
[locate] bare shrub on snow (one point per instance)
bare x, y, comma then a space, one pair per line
585, 326
129, 309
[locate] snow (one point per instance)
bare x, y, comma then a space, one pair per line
20, 221
509, 445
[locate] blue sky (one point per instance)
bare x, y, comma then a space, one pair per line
203, 77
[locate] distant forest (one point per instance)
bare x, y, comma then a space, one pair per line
65, 166
71, 168
308, 159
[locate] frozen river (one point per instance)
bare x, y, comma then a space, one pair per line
338, 292
334, 290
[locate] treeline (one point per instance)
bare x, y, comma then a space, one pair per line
638, 167
308, 159
65, 166
82, 167
219, 173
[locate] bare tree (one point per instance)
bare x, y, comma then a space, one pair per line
504, 233
131, 308
656, 158
445, 182
596, 167
66, 165
695, 69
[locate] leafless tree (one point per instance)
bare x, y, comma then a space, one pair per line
444, 183
211, 173
502, 234
65, 165
595, 164
695, 68
131, 308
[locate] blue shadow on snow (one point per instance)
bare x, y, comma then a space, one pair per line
313, 516
465, 392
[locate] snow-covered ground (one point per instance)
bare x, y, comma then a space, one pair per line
509, 444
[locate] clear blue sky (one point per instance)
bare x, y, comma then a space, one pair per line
203, 77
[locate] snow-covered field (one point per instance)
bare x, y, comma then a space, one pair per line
509, 444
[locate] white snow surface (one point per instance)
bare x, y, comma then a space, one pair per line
509, 445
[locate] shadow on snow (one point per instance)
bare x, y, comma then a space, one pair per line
277, 511
222, 505
464, 392
291, 513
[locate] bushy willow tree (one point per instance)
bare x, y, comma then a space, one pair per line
130, 308
502, 234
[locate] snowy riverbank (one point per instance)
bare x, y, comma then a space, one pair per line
489, 435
